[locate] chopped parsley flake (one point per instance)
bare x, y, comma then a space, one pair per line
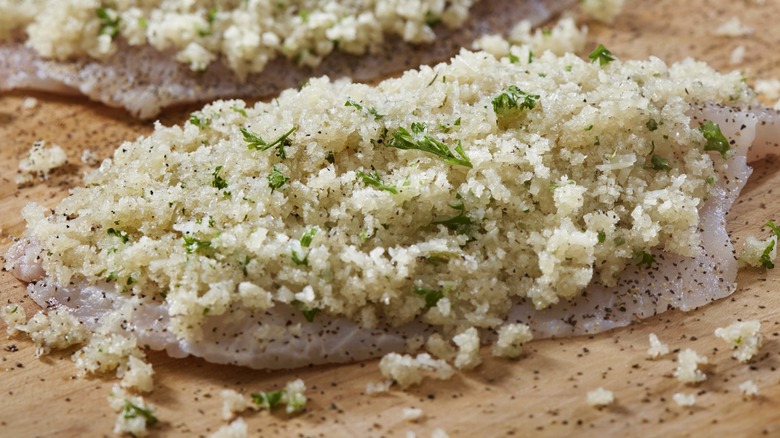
193, 244
602, 236
601, 55
218, 182
645, 258
109, 22
373, 179
775, 229
239, 110
359, 107
305, 240
512, 99
201, 123
130, 410
432, 296
268, 400
652, 125
660, 163
118, 233
420, 140
254, 141
766, 256
276, 179
308, 312
716, 141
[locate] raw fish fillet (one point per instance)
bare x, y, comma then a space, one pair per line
672, 282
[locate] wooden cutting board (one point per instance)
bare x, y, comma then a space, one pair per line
542, 394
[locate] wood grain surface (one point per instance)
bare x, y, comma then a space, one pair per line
543, 394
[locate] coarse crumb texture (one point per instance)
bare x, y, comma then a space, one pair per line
14, 318
373, 388
134, 415
758, 252
137, 374
236, 429
107, 352
748, 389
293, 396
511, 338
523, 41
233, 402
685, 400
744, 336
247, 34
687, 370
440, 347
407, 370
412, 414
602, 10
657, 348
57, 329
439, 433
600, 397
468, 356
439, 196
39, 162
733, 28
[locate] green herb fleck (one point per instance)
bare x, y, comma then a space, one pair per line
373, 179
602, 236
193, 244
716, 141
201, 123
775, 229
660, 163
513, 59
254, 141
308, 236
130, 410
308, 312
645, 258
359, 107
218, 182
241, 111
766, 256
513, 99
268, 400
420, 140
118, 233
142, 23
601, 55
112, 276
109, 22
276, 179
432, 296
652, 125
710, 180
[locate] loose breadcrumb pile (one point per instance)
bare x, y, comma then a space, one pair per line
688, 371
247, 34
440, 196
134, 415
57, 330
236, 429
14, 318
745, 337
600, 397
407, 370
511, 338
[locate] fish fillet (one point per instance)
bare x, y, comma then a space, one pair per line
282, 337
144, 81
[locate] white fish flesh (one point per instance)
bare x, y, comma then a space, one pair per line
143, 80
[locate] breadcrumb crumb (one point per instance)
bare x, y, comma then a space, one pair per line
39, 162
406, 370
14, 318
412, 414
600, 397
687, 367
684, 399
236, 429
468, 349
511, 338
657, 348
748, 389
233, 402
744, 336
733, 28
